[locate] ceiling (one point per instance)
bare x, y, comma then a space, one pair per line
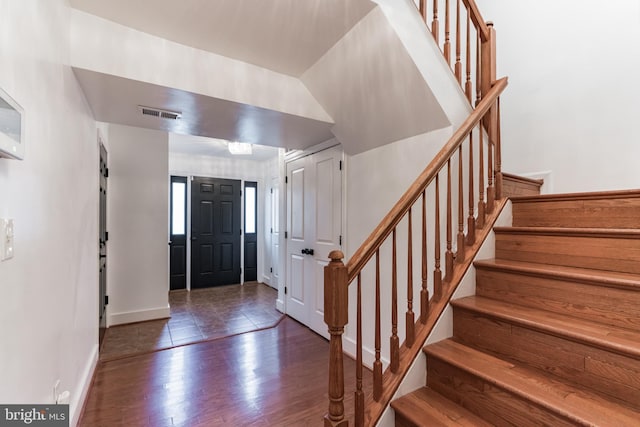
201, 146
116, 99
287, 36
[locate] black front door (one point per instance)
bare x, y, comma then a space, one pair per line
178, 234
215, 232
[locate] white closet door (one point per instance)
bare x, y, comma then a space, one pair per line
314, 212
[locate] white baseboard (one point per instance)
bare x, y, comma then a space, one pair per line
82, 388
280, 305
138, 316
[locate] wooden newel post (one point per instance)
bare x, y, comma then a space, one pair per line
336, 313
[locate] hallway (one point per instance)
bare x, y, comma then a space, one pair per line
272, 377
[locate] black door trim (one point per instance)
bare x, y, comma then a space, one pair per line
177, 241
251, 238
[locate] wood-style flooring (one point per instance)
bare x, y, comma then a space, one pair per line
202, 314
272, 377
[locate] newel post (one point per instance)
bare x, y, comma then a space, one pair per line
336, 304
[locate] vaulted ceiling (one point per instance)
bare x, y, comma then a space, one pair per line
287, 36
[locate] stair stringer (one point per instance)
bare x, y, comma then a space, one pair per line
416, 376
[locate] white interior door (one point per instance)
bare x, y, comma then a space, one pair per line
314, 224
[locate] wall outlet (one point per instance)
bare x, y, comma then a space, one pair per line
6, 239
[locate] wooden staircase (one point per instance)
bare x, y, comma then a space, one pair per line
552, 336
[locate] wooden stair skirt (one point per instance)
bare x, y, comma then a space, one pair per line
514, 185
552, 336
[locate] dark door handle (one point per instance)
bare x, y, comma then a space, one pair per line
307, 251
304, 251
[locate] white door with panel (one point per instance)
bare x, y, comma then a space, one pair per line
314, 227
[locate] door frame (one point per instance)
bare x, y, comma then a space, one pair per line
256, 234
185, 181
260, 224
284, 215
102, 282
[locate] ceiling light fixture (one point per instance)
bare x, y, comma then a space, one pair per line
240, 148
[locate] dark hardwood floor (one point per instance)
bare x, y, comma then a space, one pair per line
272, 377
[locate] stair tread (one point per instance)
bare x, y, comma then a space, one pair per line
576, 404
577, 274
610, 338
598, 195
629, 233
426, 407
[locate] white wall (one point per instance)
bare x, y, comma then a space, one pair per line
137, 221
572, 102
49, 303
372, 87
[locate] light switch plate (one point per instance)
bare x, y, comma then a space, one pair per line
6, 239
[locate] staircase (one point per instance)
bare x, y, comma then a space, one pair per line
552, 335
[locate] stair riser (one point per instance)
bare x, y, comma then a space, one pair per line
611, 306
579, 363
598, 213
494, 404
597, 252
513, 187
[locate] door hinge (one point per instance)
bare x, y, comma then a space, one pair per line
106, 236
286, 234
340, 164
285, 290
241, 192
340, 239
241, 231
271, 230
106, 300
271, 270
106, 172
272, 191
286, 179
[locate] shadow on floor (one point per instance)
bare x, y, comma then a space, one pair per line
198, 315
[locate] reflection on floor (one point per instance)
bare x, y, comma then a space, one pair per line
272, 377
202, 314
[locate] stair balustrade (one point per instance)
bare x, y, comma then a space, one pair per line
479, 133
423, 196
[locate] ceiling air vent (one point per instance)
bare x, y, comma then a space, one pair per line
161, 114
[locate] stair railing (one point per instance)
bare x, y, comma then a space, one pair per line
479, 132
338, 276
472, 35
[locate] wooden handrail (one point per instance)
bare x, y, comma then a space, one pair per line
395, 215
476, 17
